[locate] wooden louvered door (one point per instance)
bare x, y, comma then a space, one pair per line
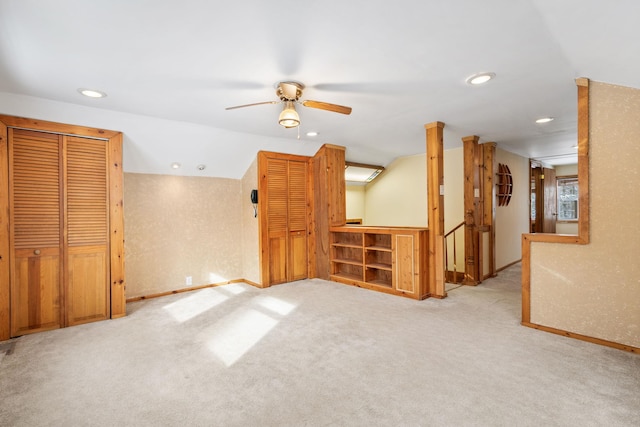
297, 221
86, 243
58, 200
35, 183
277, 220
285, 243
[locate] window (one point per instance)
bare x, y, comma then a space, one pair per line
567, 198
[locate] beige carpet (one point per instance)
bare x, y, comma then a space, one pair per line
316, 353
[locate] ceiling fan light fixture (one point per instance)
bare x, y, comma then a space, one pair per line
289, 117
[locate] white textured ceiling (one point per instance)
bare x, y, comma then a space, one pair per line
170, 68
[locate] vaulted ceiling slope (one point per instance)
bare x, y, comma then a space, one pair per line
170, 69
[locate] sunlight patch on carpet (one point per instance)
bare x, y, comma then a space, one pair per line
197, 303
276, 305
238, 333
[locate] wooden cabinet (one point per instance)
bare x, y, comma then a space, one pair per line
386, 259
64, 202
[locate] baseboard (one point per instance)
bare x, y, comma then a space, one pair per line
581, 337
193, 288
508, 265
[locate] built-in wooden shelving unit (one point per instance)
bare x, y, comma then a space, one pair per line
386, 259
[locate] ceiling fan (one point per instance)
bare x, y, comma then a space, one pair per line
289, 94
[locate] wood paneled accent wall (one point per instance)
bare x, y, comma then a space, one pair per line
61, 225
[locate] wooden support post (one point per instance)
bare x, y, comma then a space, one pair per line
489, 170
471, 198
435, 208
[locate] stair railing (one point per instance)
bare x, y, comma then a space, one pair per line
451, 236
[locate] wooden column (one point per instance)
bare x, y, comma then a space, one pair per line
329, 205
116, 227
435, 208
489, 169
472, 217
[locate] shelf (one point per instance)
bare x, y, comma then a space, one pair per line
379, 266
380, 283
347, 261
347, 276
346, 245
378, 248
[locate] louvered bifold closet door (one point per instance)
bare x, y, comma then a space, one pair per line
277, 219
297, 213
86, 197
35, 206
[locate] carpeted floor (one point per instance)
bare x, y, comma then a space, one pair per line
317, 353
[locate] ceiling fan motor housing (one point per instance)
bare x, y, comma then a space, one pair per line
289, 91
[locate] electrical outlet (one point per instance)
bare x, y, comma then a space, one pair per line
189, 281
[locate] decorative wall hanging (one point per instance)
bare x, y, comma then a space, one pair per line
504, 184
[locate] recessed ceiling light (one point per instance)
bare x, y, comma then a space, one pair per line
480, 78
312, 133
544, 120
91, 93
175, 165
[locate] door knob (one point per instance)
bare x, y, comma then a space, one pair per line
37, 252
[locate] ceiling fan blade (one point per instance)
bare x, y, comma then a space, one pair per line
251, 105
326, 106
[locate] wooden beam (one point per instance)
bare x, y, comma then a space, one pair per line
435, 208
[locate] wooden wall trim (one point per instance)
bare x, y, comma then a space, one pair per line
581, 337
62, 128
5, 322
189, 289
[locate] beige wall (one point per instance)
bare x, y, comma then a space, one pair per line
179, 226
398, 196
355, 196
250, 236
513, 220
594, 289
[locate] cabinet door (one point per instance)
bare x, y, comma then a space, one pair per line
405, 273
297, 224
35, 234
86, 202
